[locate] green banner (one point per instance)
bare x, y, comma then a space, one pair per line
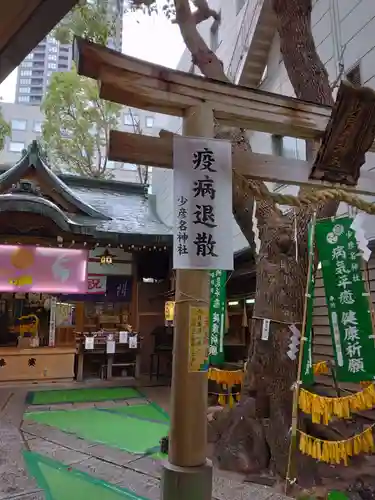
217, 316
307, 372
347, 300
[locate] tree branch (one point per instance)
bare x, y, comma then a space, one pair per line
211, 66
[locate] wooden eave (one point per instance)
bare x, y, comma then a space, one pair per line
23, 24
137, 83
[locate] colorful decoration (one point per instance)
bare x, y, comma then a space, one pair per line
321, 368
335, 452
347, 300
227, 379
41, 269
323, 409
218, 281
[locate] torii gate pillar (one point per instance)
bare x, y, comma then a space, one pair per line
188, 475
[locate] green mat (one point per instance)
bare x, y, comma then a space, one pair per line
145, 412
130, 433
60, 482
89, 395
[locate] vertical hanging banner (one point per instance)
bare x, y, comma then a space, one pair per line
202, 203
307, 372
347, 300
198, 339
217, 316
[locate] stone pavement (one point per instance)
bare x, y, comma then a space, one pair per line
136, 473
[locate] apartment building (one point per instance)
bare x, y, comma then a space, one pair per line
49, 55
247, 42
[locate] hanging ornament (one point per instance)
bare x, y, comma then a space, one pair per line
362, 241
294, 342
256, 229
106, 258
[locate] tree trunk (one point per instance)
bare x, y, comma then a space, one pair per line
280, 279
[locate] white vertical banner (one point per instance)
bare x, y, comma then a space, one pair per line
202, 203
52, 322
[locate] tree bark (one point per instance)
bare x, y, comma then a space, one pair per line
263, 416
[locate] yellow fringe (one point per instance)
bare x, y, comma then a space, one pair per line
321, 368
226, 376
323, 409
334, 452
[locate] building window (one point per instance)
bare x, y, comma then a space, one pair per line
24, 90
239, 5
53, 48
149, 121
26, 64
16, 147
38, 126
25, 81
354, 75
52, 65
24, 98
289, 147
130, 119
19, 124
29, 56
26, 72
214, 36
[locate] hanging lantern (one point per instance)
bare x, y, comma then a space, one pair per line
169, 313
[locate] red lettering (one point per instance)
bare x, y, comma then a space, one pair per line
94, 284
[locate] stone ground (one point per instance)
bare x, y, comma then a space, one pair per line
139, 474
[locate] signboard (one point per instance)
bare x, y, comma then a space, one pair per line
96, 284
347, 300
198, 339
217, 316
119, 288
307, 371
39, 269
202, 203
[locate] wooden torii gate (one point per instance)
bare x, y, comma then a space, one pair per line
201, 101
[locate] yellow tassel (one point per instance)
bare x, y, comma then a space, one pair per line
323, 409
231, 401
335, 452
222, 400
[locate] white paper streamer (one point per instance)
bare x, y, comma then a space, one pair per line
255, 229
362, 241
294, 342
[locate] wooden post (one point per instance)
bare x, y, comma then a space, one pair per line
187, 474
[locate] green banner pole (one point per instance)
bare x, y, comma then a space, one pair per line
347, 300
217, 316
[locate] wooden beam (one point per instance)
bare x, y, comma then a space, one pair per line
137, 83
348, 136
158, 152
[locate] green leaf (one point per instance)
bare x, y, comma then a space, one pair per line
5, 130
77, 123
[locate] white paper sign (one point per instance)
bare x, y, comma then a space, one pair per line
89, 343
133, 342
266, 329
52, 322
123, 337
111, 346
96, 284
202, 203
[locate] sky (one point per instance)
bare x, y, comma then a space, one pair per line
152, 38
